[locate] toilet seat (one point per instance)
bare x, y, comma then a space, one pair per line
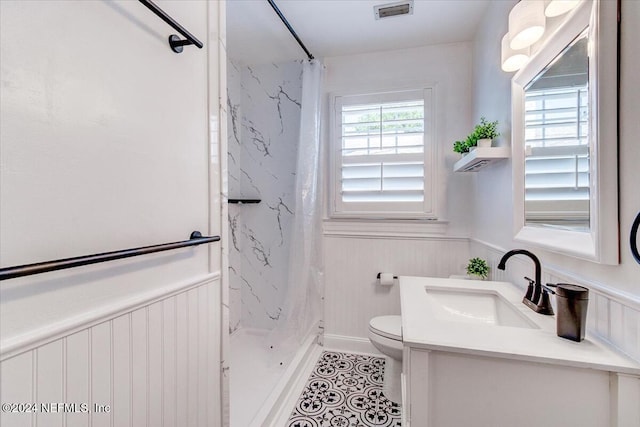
387, 326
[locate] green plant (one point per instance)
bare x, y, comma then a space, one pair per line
478, 267
483, 130
460, 147
471, 141
486, 129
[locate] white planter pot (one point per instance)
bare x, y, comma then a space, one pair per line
484, 142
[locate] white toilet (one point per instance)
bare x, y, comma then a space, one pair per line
385, 333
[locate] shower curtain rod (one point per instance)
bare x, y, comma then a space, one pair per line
291, 30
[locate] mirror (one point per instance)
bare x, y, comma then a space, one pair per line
564, 142
556, 139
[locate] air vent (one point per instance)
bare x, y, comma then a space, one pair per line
393, 9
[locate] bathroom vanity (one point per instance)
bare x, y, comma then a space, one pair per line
474, 355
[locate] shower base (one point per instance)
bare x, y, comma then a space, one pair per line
262, 374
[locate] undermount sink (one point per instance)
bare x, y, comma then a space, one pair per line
475, 306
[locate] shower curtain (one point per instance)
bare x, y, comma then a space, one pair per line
303, 301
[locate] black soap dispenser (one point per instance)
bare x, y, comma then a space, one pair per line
571, 302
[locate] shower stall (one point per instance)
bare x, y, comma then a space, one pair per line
274, 229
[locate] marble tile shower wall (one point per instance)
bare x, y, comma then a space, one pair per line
264, 123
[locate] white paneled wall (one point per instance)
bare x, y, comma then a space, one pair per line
155, 365
612, 315
353, 296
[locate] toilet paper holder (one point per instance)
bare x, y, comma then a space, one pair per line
378, 276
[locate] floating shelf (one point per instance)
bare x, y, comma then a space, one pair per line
481, 157
244, 201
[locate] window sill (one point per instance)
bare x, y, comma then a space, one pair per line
406, 228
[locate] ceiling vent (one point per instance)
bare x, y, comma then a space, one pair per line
393, 9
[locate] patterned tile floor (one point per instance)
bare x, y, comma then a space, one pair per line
345, 390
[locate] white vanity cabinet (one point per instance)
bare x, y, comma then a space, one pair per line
477, 373
445, 389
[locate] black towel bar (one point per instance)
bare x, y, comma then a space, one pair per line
42, 267
174, 41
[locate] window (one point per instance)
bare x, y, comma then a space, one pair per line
382, 154
557, 155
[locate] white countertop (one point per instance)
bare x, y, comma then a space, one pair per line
422, 329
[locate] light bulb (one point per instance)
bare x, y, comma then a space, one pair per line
512, 60
526, 23
555, 8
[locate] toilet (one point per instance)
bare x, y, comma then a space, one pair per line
385, 333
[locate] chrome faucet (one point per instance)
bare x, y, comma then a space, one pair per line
536, 298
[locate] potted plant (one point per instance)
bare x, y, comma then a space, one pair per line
481, 136
463, 147
471, 141
460, 147
478, 267
485, 132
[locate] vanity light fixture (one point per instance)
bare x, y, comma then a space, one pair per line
555, 8
511, 59
526, 23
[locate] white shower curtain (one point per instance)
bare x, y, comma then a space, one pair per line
302, 309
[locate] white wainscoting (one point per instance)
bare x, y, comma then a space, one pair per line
353, 295
157, 364
612, 316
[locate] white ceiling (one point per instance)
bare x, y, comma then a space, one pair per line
255, 34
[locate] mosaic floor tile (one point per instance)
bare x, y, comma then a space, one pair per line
345, 390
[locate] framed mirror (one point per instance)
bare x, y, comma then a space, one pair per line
565, 140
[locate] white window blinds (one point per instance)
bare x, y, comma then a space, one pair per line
382, 153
